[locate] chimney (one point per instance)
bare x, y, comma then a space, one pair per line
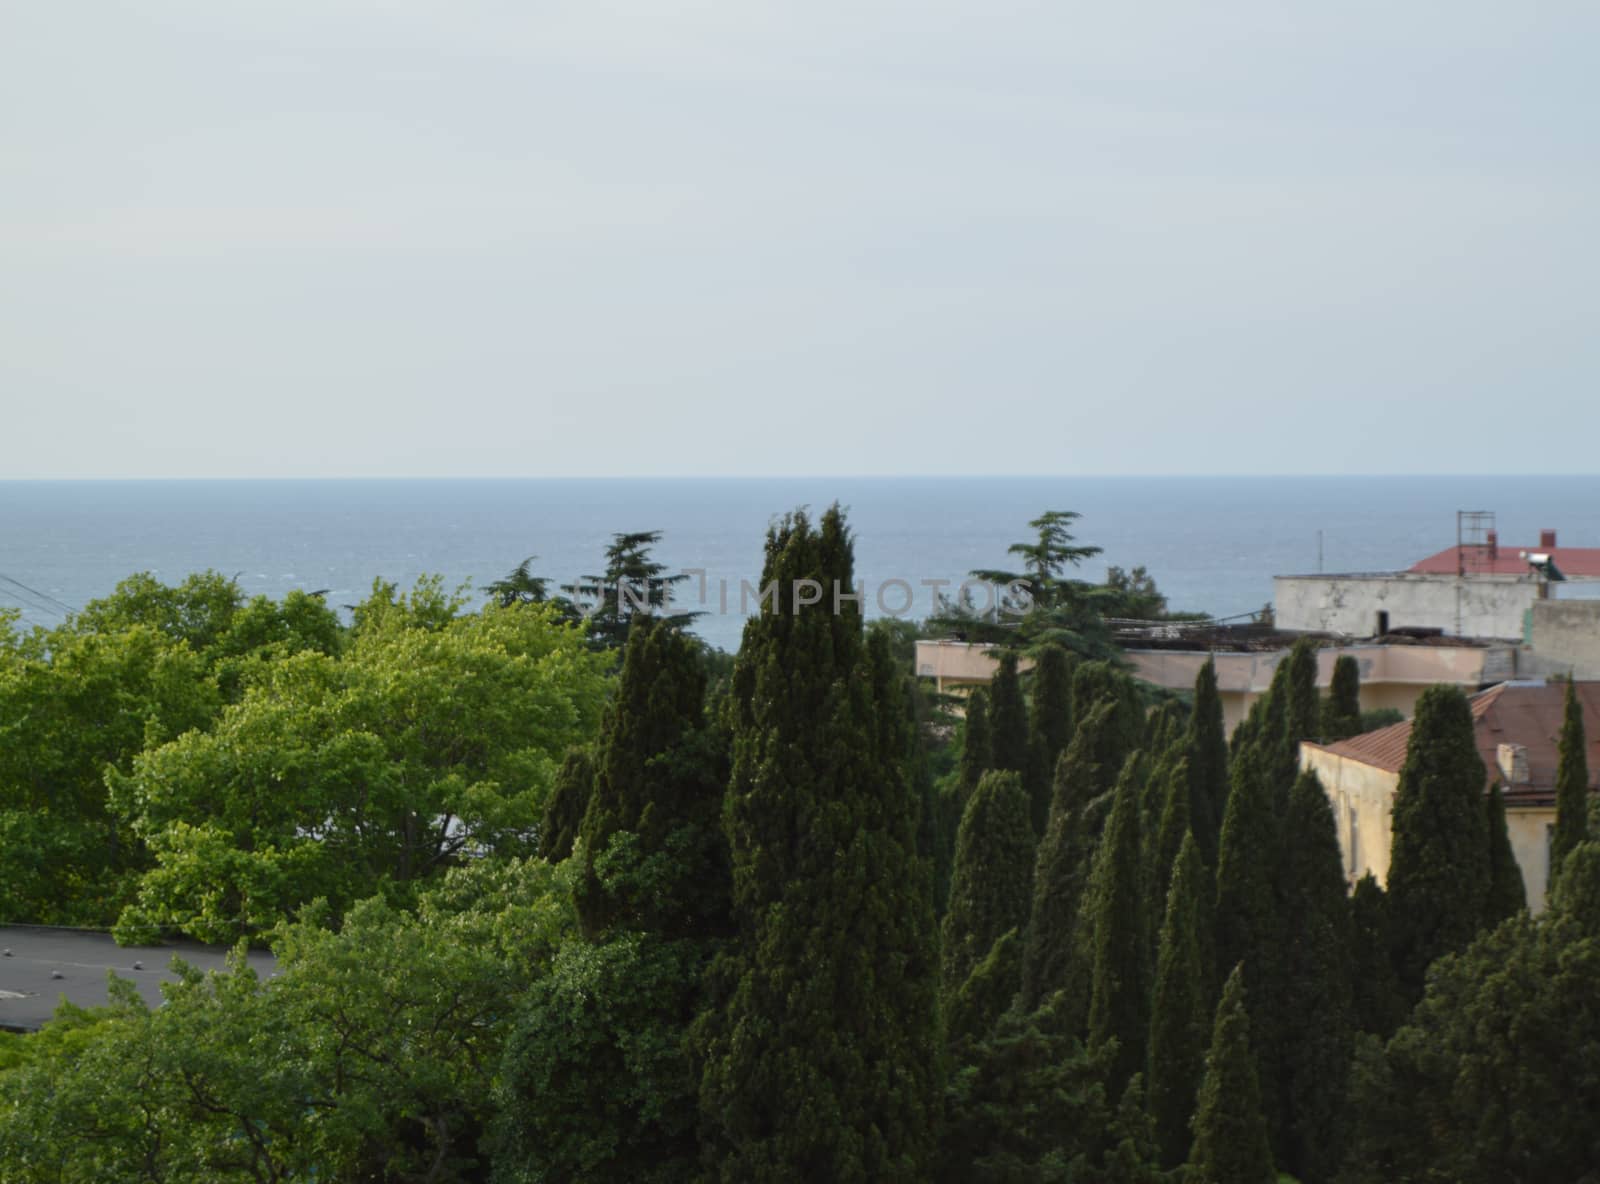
1513, 761
1494, 545
1547, 540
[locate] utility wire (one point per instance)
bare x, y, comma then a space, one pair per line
41, 600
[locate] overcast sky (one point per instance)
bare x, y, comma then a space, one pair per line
331, 237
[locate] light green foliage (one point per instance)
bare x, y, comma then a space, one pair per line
334, 777
369, 1056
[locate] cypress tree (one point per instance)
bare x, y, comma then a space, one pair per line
972, 1011
1119, 1000
1507, 895
1178, 1007
1171, 826
977, 744
1341, 711
1120, 732
1008, 717
1315, 1029
1302, 710
1230, 1138
1050, 724
1375, 992
1060, 872
1248, 925
821, 1063
567, 804
1439, 859
1247, 922
992, 886
1208, 763
658, 777
1572, 785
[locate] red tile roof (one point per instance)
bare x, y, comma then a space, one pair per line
1511, 713
1573, 562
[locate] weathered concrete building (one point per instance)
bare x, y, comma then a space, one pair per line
1518, 729
1481, 590
1392, 674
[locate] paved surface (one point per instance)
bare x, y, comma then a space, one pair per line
29, 992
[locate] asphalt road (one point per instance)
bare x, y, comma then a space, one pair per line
31, 957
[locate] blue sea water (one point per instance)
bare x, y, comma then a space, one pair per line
1212, 543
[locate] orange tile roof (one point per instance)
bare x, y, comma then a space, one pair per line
1510, 713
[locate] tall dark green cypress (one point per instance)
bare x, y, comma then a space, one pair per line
1060, 872
1120, 732
1050, 723
821, 1062
1303, 710
977, 743
1439, 857
1230, 1138
1171, 826
567, 804
1119, 1000
1341, 710
1314, 1020
1507, 895
1375, 992
1008, 717
1178, 1006
1208, 763
991, 889
1247, 919
659, 777
1572, 785
1248, 925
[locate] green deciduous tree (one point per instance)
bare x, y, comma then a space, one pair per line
1230, 1138
337, 776
821, 1062
1439, 862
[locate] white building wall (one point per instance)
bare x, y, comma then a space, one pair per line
1484, 606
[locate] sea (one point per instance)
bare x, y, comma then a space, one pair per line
1212, 544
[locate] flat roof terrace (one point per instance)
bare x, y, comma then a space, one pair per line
31, 957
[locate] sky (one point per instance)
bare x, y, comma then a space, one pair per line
727, 237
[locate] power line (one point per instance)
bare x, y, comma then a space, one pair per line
43, 600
